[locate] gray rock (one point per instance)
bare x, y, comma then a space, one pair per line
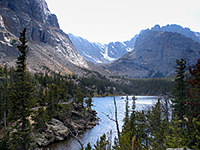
59, 129
155, 55
56, 131
49, 47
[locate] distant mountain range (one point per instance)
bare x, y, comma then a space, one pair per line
101, 53
107, 53
150, 54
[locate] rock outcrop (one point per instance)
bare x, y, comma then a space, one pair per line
49, 47
155, 55
56, 131
65, 126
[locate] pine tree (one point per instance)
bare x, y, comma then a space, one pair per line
88, 147
4, 95
132, 116
102, 144
79, 97
21, 103
129, 128
156, 126
40, 118
175, 138
126, 118
179, 101
4, 141
89, 102
196, 133
53, 96
142, 131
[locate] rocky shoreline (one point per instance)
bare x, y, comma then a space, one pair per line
58, 129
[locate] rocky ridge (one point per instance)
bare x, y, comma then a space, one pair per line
155, 55
178, 29
49, 47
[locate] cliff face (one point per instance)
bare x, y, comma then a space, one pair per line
49, 46
155, 55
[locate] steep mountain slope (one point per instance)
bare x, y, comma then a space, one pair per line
155, 55
101, 53
49, 47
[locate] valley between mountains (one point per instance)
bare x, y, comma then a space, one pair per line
48, 79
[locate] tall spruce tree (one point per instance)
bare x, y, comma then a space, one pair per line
21, 103
179, 93
132, 116
142, 131
3, 94
53, 96
126, 118
156, 126
175, 138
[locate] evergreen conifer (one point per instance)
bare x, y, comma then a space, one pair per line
21, 103
179, 100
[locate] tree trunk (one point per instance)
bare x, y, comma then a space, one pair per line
116, 120
133, 142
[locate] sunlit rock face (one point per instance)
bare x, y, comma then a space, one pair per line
49, 46
155, 55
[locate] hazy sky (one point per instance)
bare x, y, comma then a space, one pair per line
119, 20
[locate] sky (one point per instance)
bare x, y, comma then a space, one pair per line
107, 21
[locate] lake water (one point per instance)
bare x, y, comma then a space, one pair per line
105, 106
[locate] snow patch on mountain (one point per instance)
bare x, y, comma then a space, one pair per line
105, 55
87, 55
197, 34
100, 53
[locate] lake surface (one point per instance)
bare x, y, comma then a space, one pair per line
105, 106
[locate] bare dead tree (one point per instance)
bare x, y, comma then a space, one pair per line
76, 137
115, 120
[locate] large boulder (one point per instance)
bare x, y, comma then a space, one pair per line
56, 131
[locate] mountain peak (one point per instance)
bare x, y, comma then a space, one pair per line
177, 29
155, 55
35, 9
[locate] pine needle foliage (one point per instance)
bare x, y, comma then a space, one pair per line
21, 103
